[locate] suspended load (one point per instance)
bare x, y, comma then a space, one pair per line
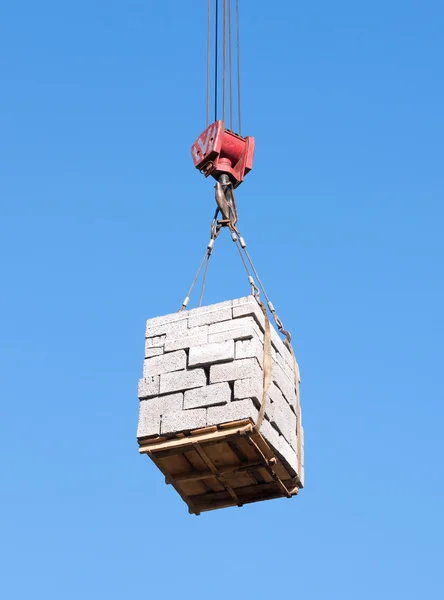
219, 406
219, 409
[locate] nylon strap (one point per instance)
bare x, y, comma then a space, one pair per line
299, 434
268, 363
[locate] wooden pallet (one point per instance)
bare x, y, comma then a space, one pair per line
218, 467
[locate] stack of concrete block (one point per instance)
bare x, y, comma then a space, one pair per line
204, 367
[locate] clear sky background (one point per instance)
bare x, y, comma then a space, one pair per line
103, 223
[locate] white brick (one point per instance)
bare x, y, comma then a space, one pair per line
149, 424
249, 307
195, 336
234, 411
166, 363
182, 380
211, 354
183, 420
173, 329
151, 351
161, 405
249, 349
284, 383
251, 387
211, 314
218, 393
149, 386
238, 369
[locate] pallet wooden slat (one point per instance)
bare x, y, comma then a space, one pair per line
219, 467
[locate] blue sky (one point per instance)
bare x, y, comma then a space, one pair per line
103, 223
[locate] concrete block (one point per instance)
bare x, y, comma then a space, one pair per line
210, 395
148, 387
251, 387
280, 347
182, 380
284, 383
234, 411
283, 418
155, 341
248, 306
183, 420
288, 454
165, 363
207, 315
151, 351
252, 348
161, 405
172, 328
270, 434
196, 336
210, 354
238, 369
166, 320
288, 370
237, 329
149, 424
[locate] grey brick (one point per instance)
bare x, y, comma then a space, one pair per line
288, 370
237, 329
208, 354
280, 347
234, 411
208, 315
182, 380
218, 393
166, 363
238, 369
149, 386
251, 387
285, 420
149, 424
155, 341
284, 383
195, 336
151, 351
288, 454
248, 306
166, 320
172, 328
249, 349
270, 434
235, 324
161, 405
183, 420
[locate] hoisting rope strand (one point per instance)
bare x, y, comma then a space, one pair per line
208, 65
224, 76
230, 64
187, 297
216, 49
223, 28
238, 70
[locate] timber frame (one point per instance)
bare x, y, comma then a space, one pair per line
221, 466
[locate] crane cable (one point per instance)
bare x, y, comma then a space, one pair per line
226, 46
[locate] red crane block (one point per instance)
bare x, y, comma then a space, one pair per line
219, 151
